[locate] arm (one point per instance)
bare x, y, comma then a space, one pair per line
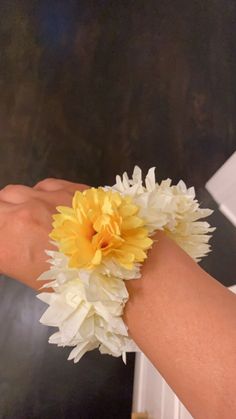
185, 322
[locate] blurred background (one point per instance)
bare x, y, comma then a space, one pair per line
88, 90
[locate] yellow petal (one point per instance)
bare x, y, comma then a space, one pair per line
130, 223
107, 206
101, 222
143, 242
67, 211
128, 210
78, 198
97, 257
139, 254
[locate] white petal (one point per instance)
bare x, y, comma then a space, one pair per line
150, 180
89, 347
46, 297
71, 324
124, 357
119, 185
125, 180
137, 175
55, 339
56, 313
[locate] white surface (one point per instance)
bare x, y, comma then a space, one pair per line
222, 186
153, 395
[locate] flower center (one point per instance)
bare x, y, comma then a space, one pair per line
104, 244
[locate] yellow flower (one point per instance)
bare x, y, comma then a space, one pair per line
100, 225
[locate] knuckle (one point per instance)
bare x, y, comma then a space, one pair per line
12, 190
47, 182
15, 194
9, 188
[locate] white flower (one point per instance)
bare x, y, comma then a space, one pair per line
111, 267
171, 208
59, 269
88, 314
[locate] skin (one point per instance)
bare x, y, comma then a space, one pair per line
26, 221
185, 322
183, 319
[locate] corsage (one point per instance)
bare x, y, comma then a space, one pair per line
101, 242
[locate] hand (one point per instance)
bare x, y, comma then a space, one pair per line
26, 220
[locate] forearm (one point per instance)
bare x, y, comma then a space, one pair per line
185, 322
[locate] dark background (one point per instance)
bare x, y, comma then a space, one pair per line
88, 90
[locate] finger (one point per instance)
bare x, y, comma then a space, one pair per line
16, 194
49, 185
53, 184
73, 186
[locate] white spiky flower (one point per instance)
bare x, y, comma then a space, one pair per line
87, 312
171, 208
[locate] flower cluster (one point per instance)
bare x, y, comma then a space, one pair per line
87, 312
171, 208
102, 240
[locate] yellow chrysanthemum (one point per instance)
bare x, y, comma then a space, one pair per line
101, 224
